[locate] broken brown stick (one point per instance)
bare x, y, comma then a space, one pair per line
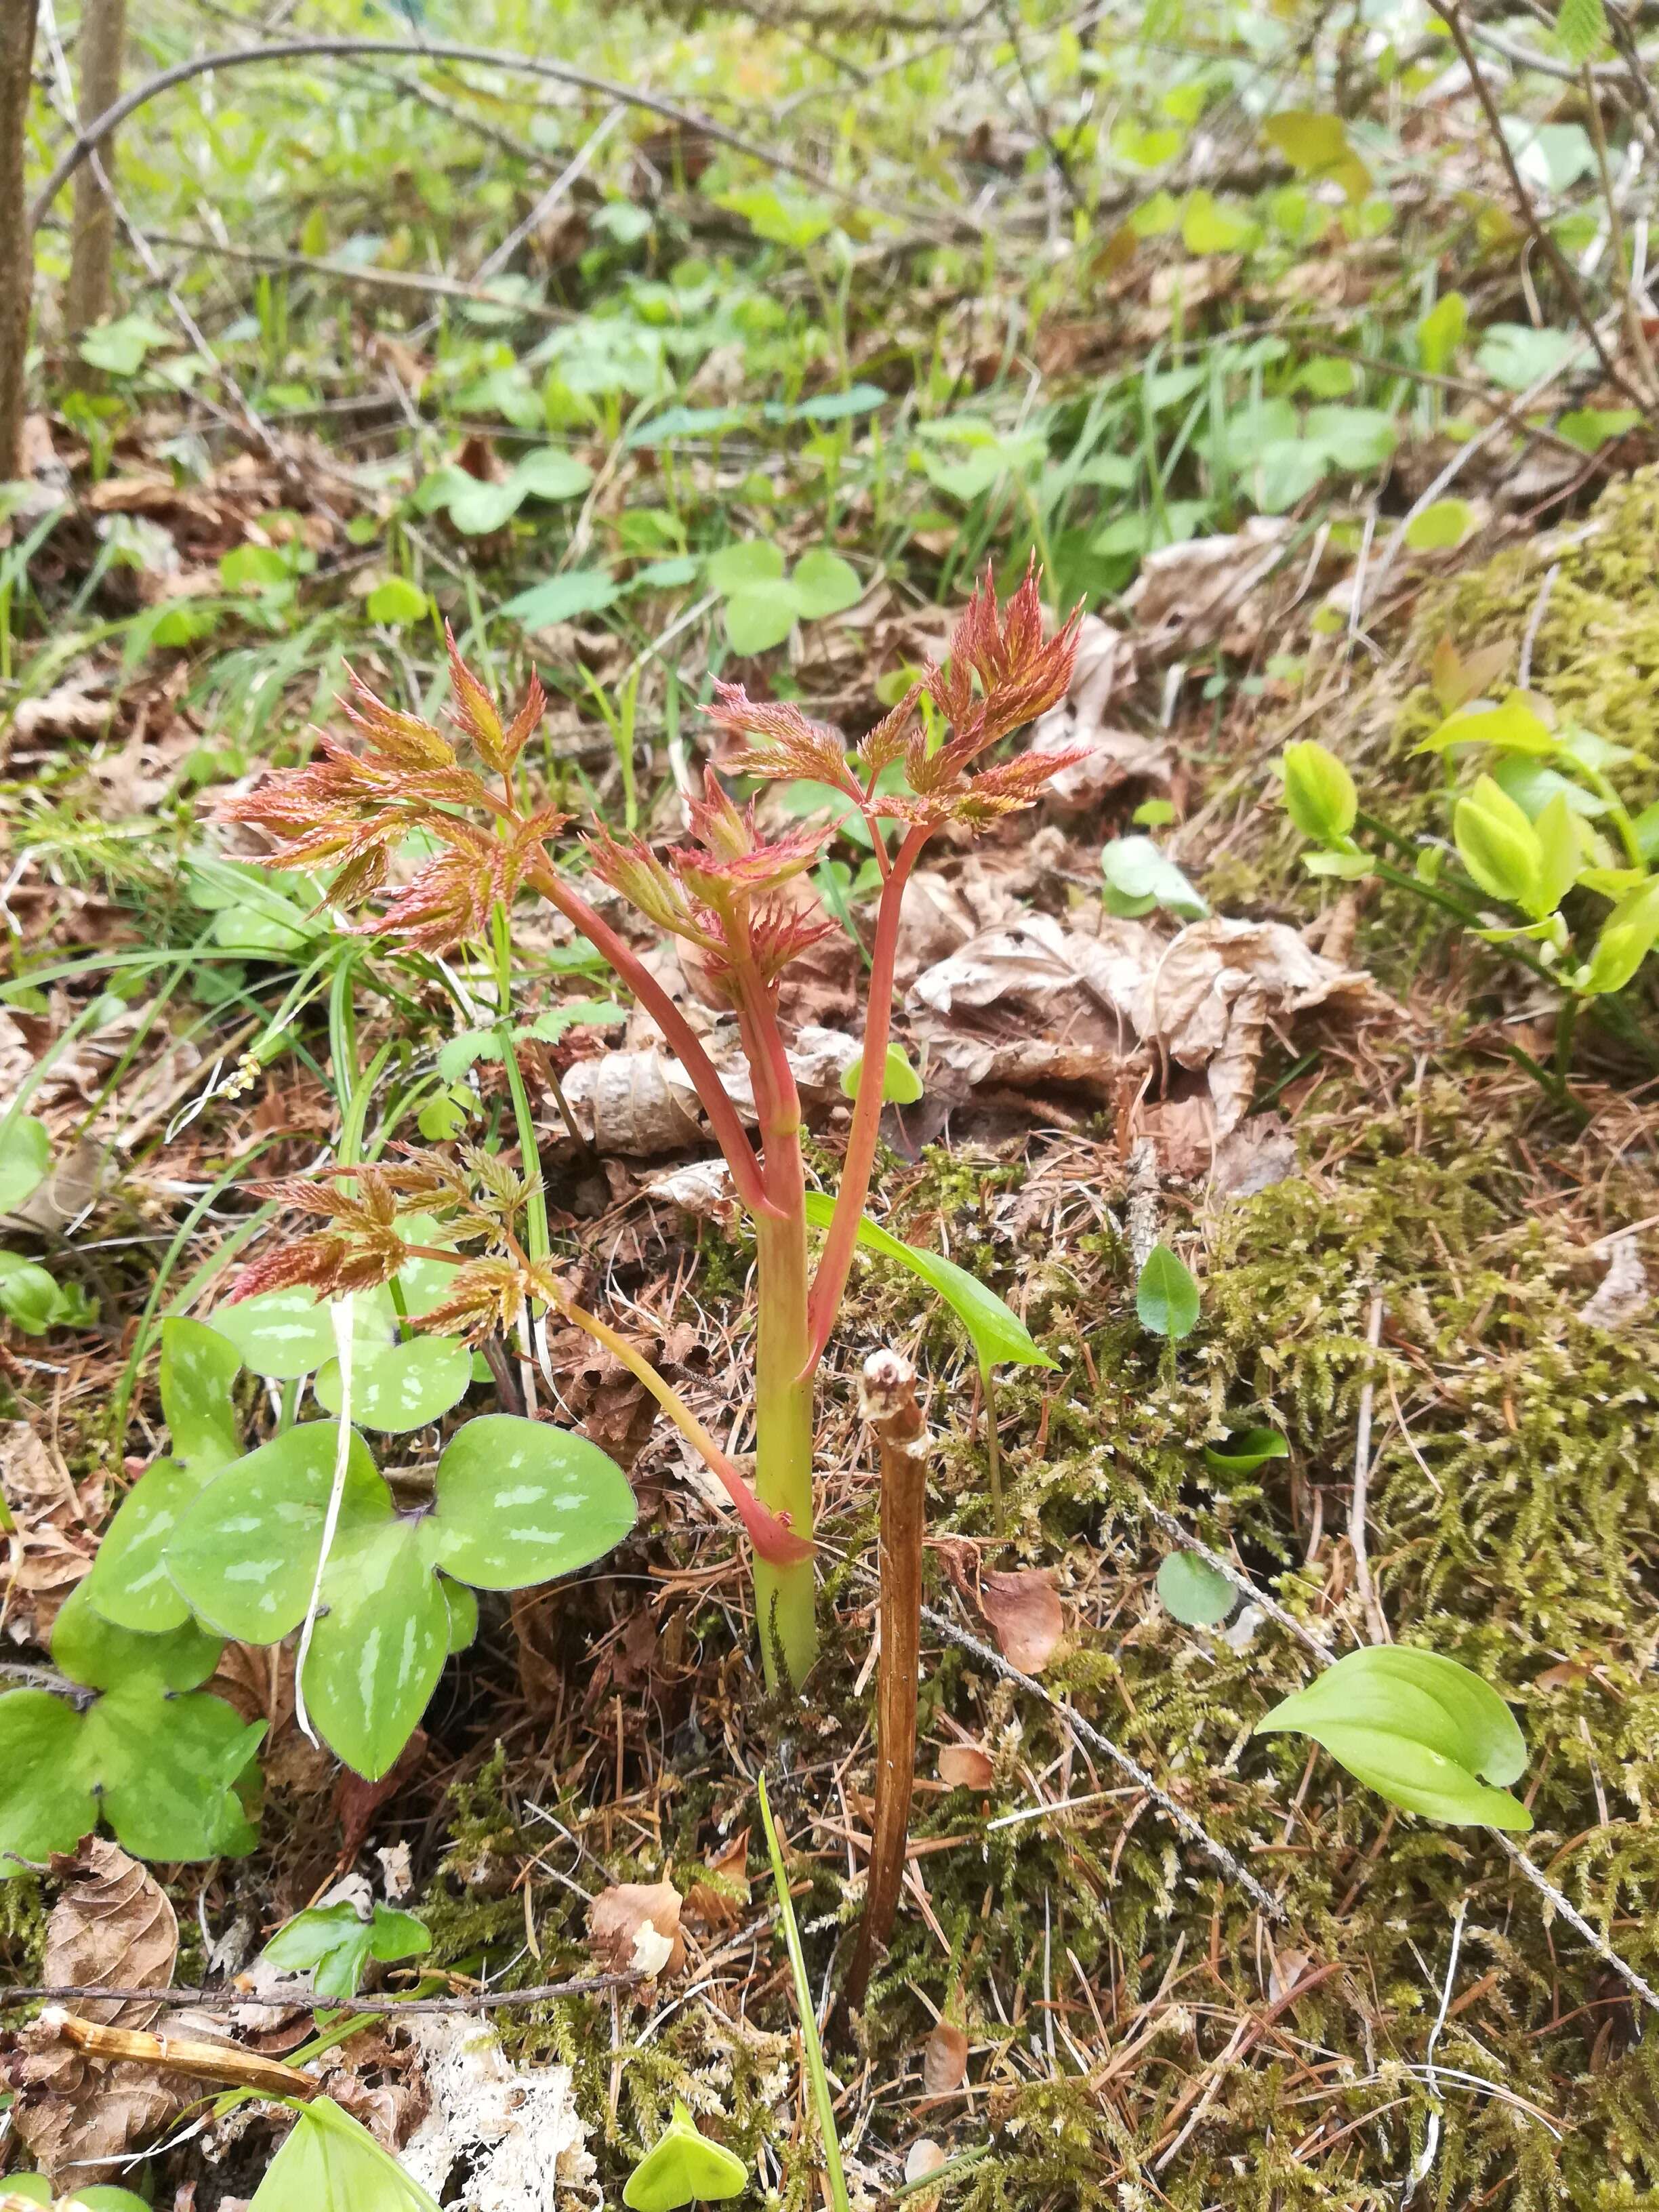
887, 1398
223, 2063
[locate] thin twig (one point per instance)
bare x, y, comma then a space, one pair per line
473, 2001
1543, 236
292, 50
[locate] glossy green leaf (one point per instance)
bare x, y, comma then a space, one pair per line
1245, 1451
1194, 1592
334, 1944
199, 1365
1627, 936
1442, 330
45, 1803
245, 1553
996, 1331
25, 1156
519, 1501
1166, 1297
1499, 845
463, 1605
1418, 1729
901, 1085
29, 1294
328, 2163
379, 1641
91, 1649
1319, 793
683, 2167
1512, 726
399, 1387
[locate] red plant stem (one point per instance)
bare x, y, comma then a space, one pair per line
682, 1039
830, 1280
772, 1539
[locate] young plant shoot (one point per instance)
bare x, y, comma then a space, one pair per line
730, 895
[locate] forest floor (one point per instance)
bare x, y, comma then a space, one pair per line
1141, 1956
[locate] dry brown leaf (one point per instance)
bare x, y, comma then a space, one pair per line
965, 1766
1105, 667
1025, 1616
69, 710
1208, 591
50, 1547
113, 1924
704, 1191
634, 1927
944, 2059
713, 1907
924, 2157
1259, 1153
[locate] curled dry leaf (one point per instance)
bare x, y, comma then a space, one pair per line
1025, 1616
944, 2059
1105, 666
719, 1903
1037, 1002
641, 1102
50, 1545
1208, 591
634, 1928
1259, 1153
965, 1766
112, 1924
704, 1191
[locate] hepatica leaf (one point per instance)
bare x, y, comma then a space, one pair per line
517, 1502
996, 1331
683, 2167
157, 1758
334, 1944
25, 1156
1417, 1727
398, 1387
900, 1084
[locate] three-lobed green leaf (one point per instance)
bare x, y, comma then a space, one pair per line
517, 1502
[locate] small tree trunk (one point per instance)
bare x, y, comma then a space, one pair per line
17, 20
102, 48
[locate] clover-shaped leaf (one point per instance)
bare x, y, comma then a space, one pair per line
152, 1754
517, 1502
335, 1944
35, 2189
683, 2167
1418, 1729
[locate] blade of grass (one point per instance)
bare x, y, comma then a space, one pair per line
823, 2102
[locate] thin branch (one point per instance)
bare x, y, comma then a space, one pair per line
294, 50
473, 2001
1543, 236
